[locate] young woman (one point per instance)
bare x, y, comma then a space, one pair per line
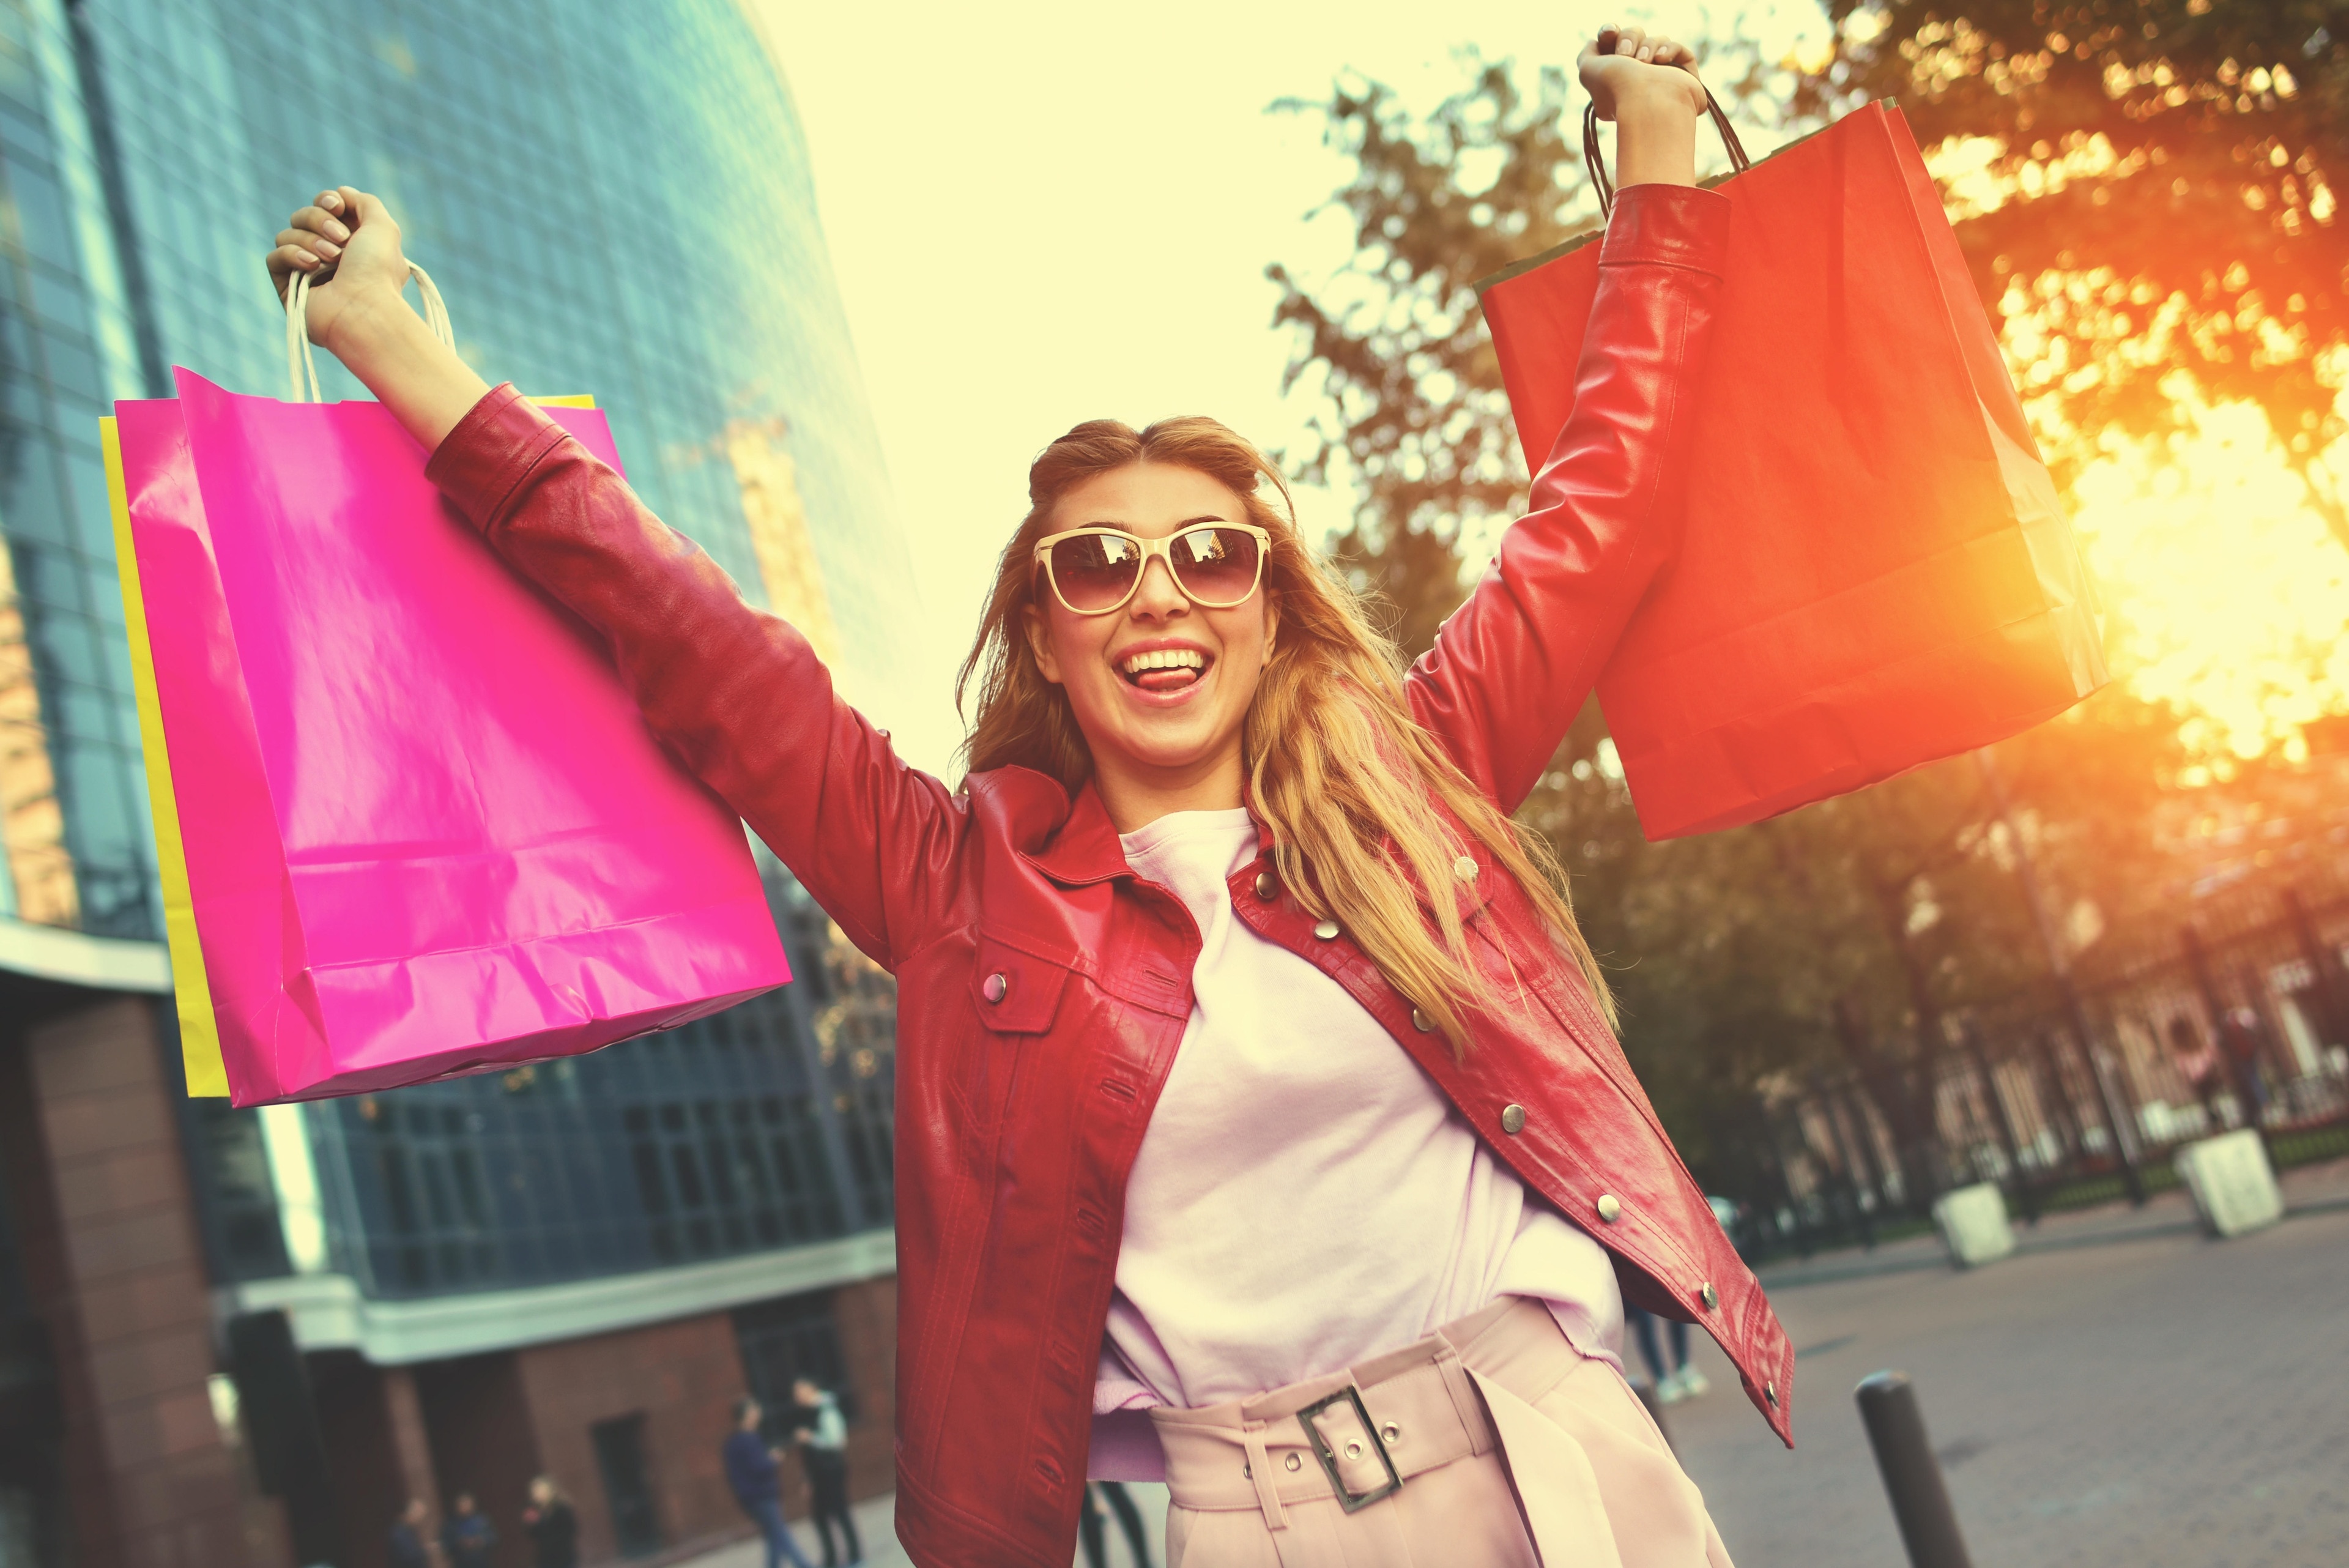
1260, 1126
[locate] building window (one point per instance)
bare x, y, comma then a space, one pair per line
430, 1173
236, 1196
724, 1177
764, 1127
627, 1484
784, 1340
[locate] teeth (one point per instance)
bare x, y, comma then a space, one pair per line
1164, 658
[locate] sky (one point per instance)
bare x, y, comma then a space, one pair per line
1041, 214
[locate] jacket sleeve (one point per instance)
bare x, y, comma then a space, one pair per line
735, 694
1511, 667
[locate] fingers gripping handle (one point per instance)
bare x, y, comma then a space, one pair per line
302, 367
1591, 160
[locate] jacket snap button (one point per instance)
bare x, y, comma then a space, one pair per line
1391, 1433
1711, 1297
1609, 1207
1353, 1450
1327, 930
1513, 1119
1420, 1021
1266, 886
996, 986
1294, 1462
1465, 867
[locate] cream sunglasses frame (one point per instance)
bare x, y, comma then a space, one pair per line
1150, 547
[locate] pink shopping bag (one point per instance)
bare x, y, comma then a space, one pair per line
426, 832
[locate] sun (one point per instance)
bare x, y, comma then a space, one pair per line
2224, 593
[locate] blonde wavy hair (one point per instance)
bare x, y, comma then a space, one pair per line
1365, 806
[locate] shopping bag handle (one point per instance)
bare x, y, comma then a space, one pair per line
302, 369
1597, 165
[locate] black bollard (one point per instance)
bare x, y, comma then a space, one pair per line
1920, 1503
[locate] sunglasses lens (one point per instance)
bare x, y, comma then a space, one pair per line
1095, 571
1216, 566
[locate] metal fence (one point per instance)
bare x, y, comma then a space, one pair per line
2242, 1018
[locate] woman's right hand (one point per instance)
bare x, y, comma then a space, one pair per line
348, 243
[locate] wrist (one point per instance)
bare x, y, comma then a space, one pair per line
367, 322
1659, 98
1655, 142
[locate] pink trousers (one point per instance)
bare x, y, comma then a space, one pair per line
1492, 1443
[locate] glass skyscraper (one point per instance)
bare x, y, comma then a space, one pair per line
614, 199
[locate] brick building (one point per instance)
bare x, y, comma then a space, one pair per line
226, 1336
135, 1234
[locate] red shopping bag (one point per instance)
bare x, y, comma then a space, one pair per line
1874, 572
411, 824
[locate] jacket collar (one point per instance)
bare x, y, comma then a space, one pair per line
1085, 848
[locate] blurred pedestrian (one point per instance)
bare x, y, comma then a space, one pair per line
1090, 1530
1683, 1381
823, 1448
552, 1524
754, 1471
2198, 1065
2240, 1033
467, 1538
409, 1546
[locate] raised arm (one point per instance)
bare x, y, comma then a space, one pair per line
1512, 666
736, 694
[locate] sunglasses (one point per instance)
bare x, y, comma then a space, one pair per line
1096, 570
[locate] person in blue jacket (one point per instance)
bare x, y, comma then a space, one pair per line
753, 1471
467, 1538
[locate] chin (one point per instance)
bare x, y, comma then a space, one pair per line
1172, 748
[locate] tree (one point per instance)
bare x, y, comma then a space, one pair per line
2157, 197
1838, 936
1398, 343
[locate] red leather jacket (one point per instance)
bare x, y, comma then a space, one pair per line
1043, 987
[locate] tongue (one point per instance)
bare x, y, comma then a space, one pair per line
1165, 680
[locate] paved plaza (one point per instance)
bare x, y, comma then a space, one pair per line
2128, 1393
2123, 1391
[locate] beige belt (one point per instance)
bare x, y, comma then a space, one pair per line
1361, 1436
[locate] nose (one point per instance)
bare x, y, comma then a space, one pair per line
1157, 597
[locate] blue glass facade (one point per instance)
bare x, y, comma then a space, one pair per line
615, 199
73, 818
765, 1128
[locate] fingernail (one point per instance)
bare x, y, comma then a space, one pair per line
336, 232
328, 248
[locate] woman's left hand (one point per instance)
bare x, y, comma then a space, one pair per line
1624, 67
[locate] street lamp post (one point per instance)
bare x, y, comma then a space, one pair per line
2023, 1192
2051, 939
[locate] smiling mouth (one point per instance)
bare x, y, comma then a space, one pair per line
1164, 669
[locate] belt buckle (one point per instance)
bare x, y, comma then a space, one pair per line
1350, 1501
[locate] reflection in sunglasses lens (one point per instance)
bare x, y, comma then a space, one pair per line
1216, 566
1095, 571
